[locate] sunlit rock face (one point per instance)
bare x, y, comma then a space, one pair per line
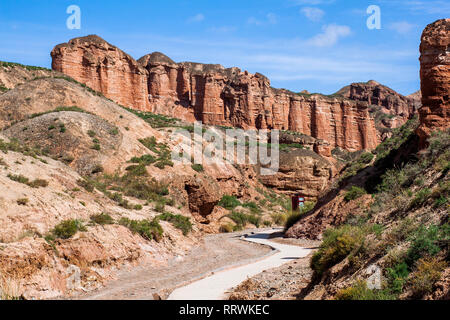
214, 95
435, 77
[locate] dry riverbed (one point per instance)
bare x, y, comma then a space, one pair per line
216, 252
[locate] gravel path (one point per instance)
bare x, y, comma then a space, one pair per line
216, 286
217, 252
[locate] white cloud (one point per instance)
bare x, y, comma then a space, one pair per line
401, 27
313, 14
270, 18
197, 18
330, 36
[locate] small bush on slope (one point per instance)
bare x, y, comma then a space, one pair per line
102, 219
149, 230
66, 229
229, 202
354, 193
294, 216
180, 222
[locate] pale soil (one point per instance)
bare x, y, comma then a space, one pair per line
217, 286
215, 252
281, 283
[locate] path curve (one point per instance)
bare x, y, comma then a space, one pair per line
216, 286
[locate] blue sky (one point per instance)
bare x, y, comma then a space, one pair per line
317, 45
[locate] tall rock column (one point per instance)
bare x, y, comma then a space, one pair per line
435, 79
104, 68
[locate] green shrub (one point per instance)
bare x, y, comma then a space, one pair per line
59, 109
426, 242
354, 193
242, 219
397, 277
198, 167
144, 160
96, 146
24, 180
441, 201
114, 132
18, 178
226, 228
160, 206
429, 270
86, 184
22, 201
294, 216
102, 219
421, 197
360, 292
149, 230
229, 202
338, 243
178, 221
137, 170
91, 133
38, 183
67, 229
150, 143
279, 219
267, 223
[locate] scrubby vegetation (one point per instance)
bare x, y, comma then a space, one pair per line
354, 193
149, 230
66, 229
102, 219
180, 222
59, 109
229, 202
155, 120
37, 183
242, 219
29, 68
162, 151
412, 232
292, 217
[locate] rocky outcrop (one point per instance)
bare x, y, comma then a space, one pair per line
104, 68
213, 94
301, 172
435, 79
390, 109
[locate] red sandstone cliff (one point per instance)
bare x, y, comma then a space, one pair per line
435, 79
213, 94
104, 68
390, 109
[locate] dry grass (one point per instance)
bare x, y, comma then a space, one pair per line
10, 288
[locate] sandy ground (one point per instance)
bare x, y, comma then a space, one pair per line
217, 252
218, 285
280, 283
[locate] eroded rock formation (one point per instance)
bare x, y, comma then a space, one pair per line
213, 94
435, 79
390, 109
104, 68
301, 172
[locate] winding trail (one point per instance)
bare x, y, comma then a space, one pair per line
216, 286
